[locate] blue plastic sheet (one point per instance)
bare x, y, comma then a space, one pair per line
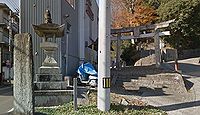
86, 68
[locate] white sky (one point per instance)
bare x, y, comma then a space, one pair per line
13, 4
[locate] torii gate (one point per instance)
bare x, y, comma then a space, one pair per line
137, 35
103, 95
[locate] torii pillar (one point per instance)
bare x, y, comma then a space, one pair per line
157, 48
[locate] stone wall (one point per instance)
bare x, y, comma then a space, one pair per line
148, 56
191, 53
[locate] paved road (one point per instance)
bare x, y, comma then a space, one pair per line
6, 99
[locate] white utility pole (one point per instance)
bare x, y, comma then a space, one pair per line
81, 26
103, 98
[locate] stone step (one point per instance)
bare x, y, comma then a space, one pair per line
134, 80
130, 86
150, 83
52, 92
140, 71
128, 83
150, 79
161, 76
48, 77
145, 83
127, 74
142, 83
158, 78
47, 98
127, 78
52, 85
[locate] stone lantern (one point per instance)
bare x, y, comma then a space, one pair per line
50, 89
48, 31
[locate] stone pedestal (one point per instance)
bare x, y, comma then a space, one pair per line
49, 74
52, 93
50, 89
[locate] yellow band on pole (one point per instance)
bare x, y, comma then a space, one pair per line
106, 82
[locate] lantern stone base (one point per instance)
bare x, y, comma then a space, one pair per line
50, 89
47, 98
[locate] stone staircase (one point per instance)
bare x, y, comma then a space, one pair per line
147, 77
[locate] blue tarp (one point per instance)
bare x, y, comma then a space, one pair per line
86, 68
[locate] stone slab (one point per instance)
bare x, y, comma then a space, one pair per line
23, 75
53, 92
52, 100
48, 77
52, 85
49, 74
49, 70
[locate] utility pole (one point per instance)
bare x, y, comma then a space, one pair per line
10, 44
103, 96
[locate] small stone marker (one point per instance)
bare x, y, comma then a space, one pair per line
23, 75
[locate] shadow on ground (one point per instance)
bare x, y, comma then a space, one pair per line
188, 84
143, 91
180, 106
191, 70
38, 113
6, 90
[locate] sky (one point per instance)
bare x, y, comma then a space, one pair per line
13, 4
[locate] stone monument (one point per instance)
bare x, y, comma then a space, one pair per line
23, 75
50, 89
